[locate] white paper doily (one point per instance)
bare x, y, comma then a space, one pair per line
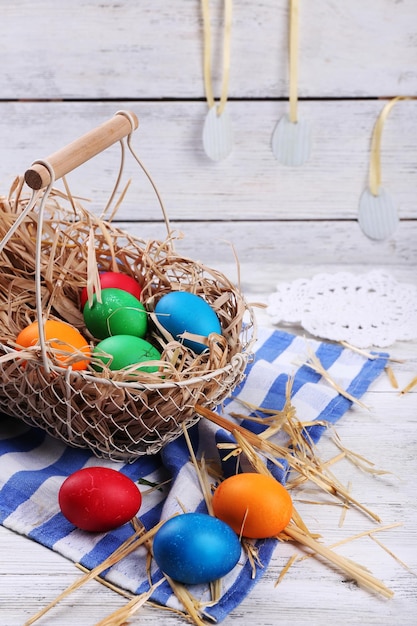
366, 310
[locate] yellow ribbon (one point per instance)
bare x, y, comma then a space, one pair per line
228, 11
293, 62
375, 158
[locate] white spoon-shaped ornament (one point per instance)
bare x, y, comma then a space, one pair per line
377, 215
217, 134
291, 141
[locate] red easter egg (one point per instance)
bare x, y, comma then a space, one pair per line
114, 280
99, 499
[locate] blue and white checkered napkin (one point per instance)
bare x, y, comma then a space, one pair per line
33, 465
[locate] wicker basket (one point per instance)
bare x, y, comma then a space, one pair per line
49, 245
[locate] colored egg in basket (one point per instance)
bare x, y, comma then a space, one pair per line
116, 280
118, 313
121, 351
66, 341
182, 312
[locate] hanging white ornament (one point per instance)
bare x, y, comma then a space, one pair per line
291, 141
377, 212
217, 134
377, 215
217, 129
292, 137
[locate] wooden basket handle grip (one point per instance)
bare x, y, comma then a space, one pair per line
82, 149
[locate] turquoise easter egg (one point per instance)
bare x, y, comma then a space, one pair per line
181, 311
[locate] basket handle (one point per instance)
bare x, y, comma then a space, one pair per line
82, 149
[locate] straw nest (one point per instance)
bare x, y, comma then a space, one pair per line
119, 415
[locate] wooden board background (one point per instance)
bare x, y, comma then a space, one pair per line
67, 67
153, 49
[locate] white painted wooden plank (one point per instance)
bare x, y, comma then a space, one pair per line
249, 184
284, 242
153, 49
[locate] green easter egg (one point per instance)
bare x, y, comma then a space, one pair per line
122, 351
118, 313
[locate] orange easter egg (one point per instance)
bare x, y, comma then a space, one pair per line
254, 505
64, 338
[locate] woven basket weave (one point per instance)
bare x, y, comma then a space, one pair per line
116, 415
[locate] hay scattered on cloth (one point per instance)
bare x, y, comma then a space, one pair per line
34, 465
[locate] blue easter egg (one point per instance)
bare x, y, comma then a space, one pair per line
196, 548
181, 311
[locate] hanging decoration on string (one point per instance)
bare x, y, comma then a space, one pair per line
377, 215
217, 130
291, 139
